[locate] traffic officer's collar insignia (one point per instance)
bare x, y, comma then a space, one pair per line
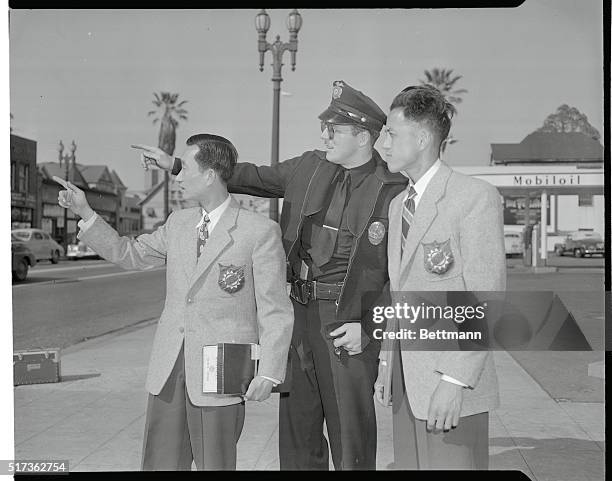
438, 257
231, 278
376, 232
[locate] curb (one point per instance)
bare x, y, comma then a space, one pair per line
85, 343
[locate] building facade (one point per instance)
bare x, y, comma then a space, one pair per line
555, 179
105, 193
24, 188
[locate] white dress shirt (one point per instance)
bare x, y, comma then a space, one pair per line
420, 186
213, 217
215, 214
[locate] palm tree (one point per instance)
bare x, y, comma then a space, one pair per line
444, 81
167, 110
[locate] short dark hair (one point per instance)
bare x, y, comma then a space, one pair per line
426, 104
215, 152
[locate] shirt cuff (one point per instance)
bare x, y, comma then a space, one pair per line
176, 168
452, 380
276, 382
84, 225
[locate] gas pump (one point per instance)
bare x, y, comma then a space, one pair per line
527, 236
536, 259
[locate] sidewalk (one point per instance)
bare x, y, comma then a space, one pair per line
95, 418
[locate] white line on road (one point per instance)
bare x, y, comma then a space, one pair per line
86, 278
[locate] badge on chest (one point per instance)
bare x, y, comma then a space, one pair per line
376, 232
437, 256
231, 278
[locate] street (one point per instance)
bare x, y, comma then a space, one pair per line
60, 305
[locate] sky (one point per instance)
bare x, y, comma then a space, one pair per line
89, 75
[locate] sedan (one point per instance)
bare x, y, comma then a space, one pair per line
40, 243
22, 259
582, 243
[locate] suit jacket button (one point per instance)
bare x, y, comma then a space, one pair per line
189, 300
181, 329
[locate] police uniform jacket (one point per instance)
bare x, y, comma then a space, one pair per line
303, 182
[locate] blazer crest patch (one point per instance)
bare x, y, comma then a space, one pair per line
438, 257
231, 278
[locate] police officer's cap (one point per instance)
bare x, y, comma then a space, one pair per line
350, 106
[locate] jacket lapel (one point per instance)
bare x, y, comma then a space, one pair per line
189, 241
219, 239
395, 239
424, 215
320, 184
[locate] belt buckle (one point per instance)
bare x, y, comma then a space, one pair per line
298, 291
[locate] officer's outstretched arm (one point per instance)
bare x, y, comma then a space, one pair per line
263, 180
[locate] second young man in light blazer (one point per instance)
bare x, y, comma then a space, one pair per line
445, 234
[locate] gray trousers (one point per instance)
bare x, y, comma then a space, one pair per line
178, 432
465, 447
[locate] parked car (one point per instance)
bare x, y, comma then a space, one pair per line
581, 243
40, 243
22, 259
513, 242
80, 250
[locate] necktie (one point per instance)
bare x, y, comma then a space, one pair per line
407, 214
203, 234
323, 245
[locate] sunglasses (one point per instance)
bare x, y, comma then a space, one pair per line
331, 129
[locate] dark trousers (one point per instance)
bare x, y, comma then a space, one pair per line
178, 432
465, 447
331, 388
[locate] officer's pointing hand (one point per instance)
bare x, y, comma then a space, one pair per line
153, 157
352, 338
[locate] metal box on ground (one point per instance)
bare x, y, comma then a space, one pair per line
35, 367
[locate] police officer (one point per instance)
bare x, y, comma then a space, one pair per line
334, 224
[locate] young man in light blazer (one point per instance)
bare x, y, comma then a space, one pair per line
225, 282
445, 234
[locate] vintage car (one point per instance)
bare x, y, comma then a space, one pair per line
513, 241
40, 243
80, 250
22, 259
581, 243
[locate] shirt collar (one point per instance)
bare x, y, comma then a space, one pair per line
216, 213
422, 183
359, 173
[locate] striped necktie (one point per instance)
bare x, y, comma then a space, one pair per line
407, 214
203, 234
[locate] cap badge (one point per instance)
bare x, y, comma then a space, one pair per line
337, 92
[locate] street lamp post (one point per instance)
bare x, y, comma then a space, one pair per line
68, 158
262, 25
